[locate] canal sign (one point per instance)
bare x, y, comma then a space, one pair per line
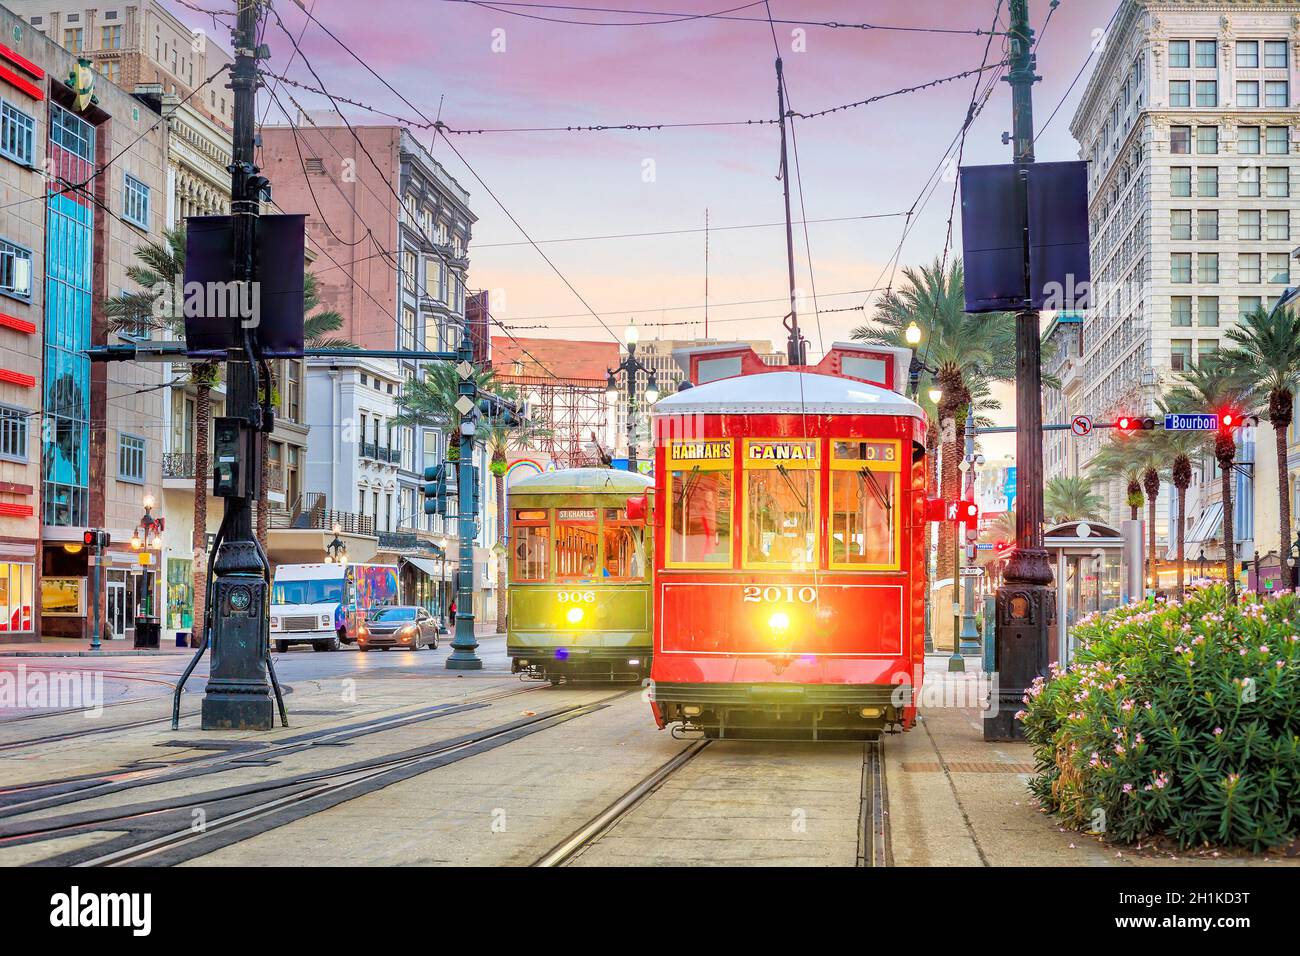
1194, 422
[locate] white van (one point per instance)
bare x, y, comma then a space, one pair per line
325, 605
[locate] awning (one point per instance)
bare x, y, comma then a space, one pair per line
1208, 525
428, 565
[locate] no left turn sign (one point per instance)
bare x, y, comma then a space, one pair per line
1081, 425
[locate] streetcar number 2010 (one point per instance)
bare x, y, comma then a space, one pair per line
773, 594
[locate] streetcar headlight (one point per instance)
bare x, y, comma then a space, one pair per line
575, 615
779, 623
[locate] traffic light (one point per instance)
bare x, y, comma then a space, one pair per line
98, 540
969, 513
1001, 547
1132, 423
435, 490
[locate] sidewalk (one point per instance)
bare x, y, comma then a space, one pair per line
956, 800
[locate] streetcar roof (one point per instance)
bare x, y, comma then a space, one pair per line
586, 481
788, 393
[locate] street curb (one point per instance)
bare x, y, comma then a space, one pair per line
91, 654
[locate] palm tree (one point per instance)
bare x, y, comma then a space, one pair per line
1140, 461
967, 353
1071, 499
1213, 385
1179, 449
1266, 351
316, 329
156, 308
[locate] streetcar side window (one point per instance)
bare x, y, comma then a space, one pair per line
576, 542
623, 558
532, 548
781, 503
864, 512
700, 489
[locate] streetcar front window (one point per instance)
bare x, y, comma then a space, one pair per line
864, 505
532, 546
700, 533
624, 554
781, 503
576, 542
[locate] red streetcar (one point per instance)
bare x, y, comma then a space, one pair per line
789, 546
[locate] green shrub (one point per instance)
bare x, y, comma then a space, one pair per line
1178, 720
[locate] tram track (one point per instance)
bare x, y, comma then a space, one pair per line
163, 832
873, 815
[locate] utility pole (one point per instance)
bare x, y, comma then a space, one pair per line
1026, 604
796, 353
238, 694
969, 640
464, 645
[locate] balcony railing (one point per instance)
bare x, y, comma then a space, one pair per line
381, 453
176, 464
310, 512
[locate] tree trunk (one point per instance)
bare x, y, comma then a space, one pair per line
503, 554
1283, 505
202, 414
1182, 539
1151, 542
1225, 459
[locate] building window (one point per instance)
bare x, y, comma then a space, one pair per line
410, 270
1248, 54
130, 458
13, 433
15, 271
1180, 54
1248, 140
1278, 143
1248, 182
17, 595
1206, 54
1180, 181
1248, 224
1275, 54
1207, 267
1180, 92
1207, 182
1180, 267
17, 131
1279, 268
111, 37
1180, 354
1248, 304
1180, 311
135, 201
1247, 93
1207, 311
1248, 267
1279, 182
1207, 140
1180, 224
1207, 225
1207, 93
1277, 93
1180, 139
1279, 224
293, 390
72, 40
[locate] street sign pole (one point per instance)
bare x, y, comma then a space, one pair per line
970, 639
1026, 604
464, 646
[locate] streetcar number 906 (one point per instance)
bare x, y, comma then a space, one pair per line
772, 594
576, 597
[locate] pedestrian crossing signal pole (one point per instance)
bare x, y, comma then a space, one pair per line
464, 646
1026, 604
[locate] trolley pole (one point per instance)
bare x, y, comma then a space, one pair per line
464, 645
238, 694
1026, 603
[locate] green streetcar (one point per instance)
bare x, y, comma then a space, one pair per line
580, 574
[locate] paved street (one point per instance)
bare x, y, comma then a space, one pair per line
391, 760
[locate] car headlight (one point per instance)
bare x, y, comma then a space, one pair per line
325, 620
276, 624
408, 631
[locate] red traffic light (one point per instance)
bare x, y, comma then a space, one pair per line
1000, 546
969, 513
1132, 423
1124, 424
1228, 419
88, 538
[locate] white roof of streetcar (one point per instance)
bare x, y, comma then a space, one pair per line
788, 393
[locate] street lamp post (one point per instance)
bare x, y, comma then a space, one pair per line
147, 535
1200, 562
337, 550
1295, 563
631, 365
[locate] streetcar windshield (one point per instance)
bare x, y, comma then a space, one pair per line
701, 518
781, 503
532, 547
576, 541
864, 497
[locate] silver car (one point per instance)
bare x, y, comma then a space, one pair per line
404, 626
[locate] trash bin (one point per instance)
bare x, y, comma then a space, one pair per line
147, 632
182, 638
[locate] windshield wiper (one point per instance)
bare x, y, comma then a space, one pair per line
869, 480
785, 473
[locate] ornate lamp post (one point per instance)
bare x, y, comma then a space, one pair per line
337, 550
149, 536
1200, 562
631, 365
